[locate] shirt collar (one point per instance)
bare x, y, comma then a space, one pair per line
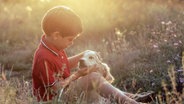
50, 47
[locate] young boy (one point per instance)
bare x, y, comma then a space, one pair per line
51, 66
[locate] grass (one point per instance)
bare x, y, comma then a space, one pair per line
19, 91
140, 41
15, 91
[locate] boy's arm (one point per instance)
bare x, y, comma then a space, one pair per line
73, 61
79, 73
64, 82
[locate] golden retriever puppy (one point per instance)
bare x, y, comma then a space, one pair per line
91, 58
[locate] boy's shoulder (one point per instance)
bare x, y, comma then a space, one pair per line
43, 54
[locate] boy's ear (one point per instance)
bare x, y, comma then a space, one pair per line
55, 35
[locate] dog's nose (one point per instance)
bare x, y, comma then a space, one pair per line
81, 63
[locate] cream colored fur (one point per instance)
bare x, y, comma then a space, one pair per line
91, 58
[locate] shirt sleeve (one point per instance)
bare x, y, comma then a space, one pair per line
46, 73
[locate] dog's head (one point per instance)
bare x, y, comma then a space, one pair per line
91, 58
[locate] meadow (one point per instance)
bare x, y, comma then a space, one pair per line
141, 41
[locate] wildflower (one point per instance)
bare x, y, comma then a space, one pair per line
155, 46
26, 83
163, 23
180, 41
153, 84
103, 40
175, 35
168, 61
169, 23
176, 44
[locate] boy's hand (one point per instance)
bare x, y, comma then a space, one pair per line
82, 71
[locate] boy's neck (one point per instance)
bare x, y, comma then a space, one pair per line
49, 40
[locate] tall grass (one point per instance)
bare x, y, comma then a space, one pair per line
19, 91
139, 39
170, 95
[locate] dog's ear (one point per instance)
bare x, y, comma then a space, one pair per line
108, 75
99, 56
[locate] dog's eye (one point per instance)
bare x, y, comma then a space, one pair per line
90, 57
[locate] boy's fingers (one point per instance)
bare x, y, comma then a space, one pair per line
83, 71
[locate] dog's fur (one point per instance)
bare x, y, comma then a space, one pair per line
91, 58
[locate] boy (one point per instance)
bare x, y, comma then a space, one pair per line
51, 66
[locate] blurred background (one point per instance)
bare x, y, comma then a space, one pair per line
138, 39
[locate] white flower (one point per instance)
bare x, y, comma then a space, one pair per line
168, 23
155, 46
176, 44
163, 23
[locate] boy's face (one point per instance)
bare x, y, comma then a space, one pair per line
64, 42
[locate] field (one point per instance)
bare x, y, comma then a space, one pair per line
141, 41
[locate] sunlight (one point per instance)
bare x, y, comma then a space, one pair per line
95, 13
102, 15
45, 0
28, 8
138, 39
5, 9
105, 15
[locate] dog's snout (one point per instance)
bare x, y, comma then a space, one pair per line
82, 63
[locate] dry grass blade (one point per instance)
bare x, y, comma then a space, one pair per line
3, 74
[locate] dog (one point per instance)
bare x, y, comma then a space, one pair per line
91, 58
